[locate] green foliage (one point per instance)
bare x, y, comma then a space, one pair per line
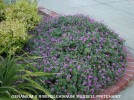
12, 36
18, 76
15, 20
24, 11
2, 11
1, 1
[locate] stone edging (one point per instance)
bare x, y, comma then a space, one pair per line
47, 12
123, 82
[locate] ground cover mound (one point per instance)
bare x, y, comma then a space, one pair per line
88, 55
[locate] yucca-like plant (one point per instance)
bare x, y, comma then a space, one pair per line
19, 77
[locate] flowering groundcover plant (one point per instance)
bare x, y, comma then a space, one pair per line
89, 55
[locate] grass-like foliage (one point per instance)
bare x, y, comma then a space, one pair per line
19, 77
89, 54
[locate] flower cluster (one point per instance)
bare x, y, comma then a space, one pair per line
88, 55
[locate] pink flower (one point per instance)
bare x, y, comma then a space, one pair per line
91, 20
45, 70
70, 70
89, 44
34, 65
68, 76
78, 67
89, 76
64, 35
78, 31
108, 79
107, 55
112, 46
84, 83
99, 66
84, 39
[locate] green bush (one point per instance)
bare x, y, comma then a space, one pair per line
2, 11
24, 11
12, 36
17, 79
15, 20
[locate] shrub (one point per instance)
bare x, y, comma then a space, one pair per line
12, 36
19, 77
89, 54
24, 11
2, 11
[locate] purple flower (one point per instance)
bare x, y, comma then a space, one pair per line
106, 33
101, 39
45, 69
89, 76
34, 65
108, 79
49, 69
84, 40
70, 69
52, 89
96, 29
112, 46
64, 35
89, 44
91, 20
84, 83
99, 66
78, 32
68, 76
96, 79
78, 68
107, 55
103, 76
89, 83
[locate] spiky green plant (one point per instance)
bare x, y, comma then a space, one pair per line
19, 77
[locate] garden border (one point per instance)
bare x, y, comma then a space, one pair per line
123, 82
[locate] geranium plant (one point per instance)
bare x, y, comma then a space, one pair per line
89, 54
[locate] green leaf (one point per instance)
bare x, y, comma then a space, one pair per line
37, 86
28, 73
13, 89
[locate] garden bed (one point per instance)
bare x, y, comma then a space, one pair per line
122, 82
79, 55
86, 47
